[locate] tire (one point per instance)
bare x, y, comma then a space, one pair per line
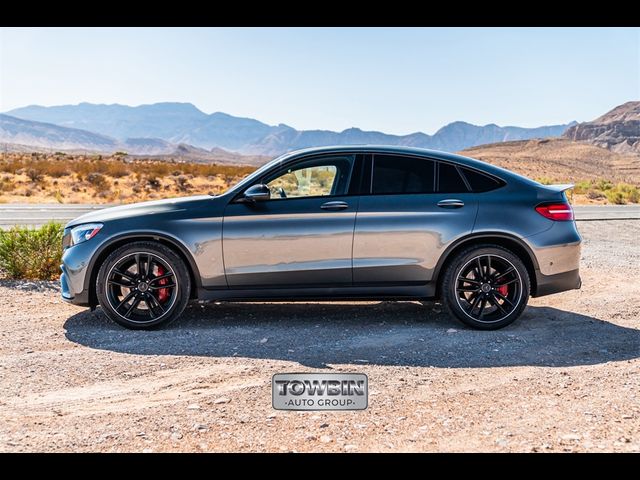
489, 294
143, 285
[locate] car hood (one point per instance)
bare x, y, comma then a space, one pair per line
142, 208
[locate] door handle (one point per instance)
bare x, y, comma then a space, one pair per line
336, 205
451, 203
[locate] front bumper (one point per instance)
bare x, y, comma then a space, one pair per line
77, 298
74, 280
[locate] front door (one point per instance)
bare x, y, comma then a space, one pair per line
302, 236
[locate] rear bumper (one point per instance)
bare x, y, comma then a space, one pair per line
560, 282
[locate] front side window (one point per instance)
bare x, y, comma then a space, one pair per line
394, 174
315, 178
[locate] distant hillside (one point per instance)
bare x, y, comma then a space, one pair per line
617, 130
184, 123
18, 135
560, 160
39, 134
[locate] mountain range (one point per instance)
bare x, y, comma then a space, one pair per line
617, 130
163, 128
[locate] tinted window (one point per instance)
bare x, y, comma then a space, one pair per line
480, 182
450, 181
394, 174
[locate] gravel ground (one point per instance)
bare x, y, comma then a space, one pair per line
565, 377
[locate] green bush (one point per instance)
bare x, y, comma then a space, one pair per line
604, 185
31, 253
616, 197
631, 192
582, 187
546, 180
623, 193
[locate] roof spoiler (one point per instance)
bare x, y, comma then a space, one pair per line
561, 187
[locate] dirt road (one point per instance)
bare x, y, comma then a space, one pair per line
565, 377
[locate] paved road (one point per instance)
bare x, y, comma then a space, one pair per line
607, 212
37, 214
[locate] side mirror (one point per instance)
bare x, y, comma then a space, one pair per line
257, 193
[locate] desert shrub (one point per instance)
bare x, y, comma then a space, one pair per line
182, 183
153, 182
595, 194
604, 185
34, 174
630, 192
53, 168
12, 165
98, 181
616, 197
582, 187
6, 185
151, 169
623, 193
31, 253
82, 169
116, 169
546, 180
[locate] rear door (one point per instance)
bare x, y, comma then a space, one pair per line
413, 209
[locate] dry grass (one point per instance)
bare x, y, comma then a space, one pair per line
601, 176
64, 178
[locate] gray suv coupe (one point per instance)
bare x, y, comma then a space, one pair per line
333, 223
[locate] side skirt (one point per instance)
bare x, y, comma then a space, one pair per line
403, 292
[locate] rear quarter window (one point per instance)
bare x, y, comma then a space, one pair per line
479, 182
450, 181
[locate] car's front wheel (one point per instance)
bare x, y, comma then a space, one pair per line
486, 287
143, 285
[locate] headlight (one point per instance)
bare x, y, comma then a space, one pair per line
85, 232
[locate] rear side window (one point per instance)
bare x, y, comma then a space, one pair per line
450, 181
396, 174
480, 182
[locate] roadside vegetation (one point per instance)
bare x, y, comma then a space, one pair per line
600, 191
65, 178
31, 253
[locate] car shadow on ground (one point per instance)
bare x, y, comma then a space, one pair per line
386, 333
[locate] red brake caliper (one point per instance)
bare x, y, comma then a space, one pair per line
503, 290
163, 293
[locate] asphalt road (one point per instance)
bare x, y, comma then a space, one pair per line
38, 214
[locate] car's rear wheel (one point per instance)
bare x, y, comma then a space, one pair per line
143, 285
486, 287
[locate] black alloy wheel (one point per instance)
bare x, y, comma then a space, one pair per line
143, 285
486, 288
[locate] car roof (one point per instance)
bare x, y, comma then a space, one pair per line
412, 151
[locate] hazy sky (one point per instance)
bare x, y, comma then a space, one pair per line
398, 80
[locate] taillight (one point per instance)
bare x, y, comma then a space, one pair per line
561, 212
